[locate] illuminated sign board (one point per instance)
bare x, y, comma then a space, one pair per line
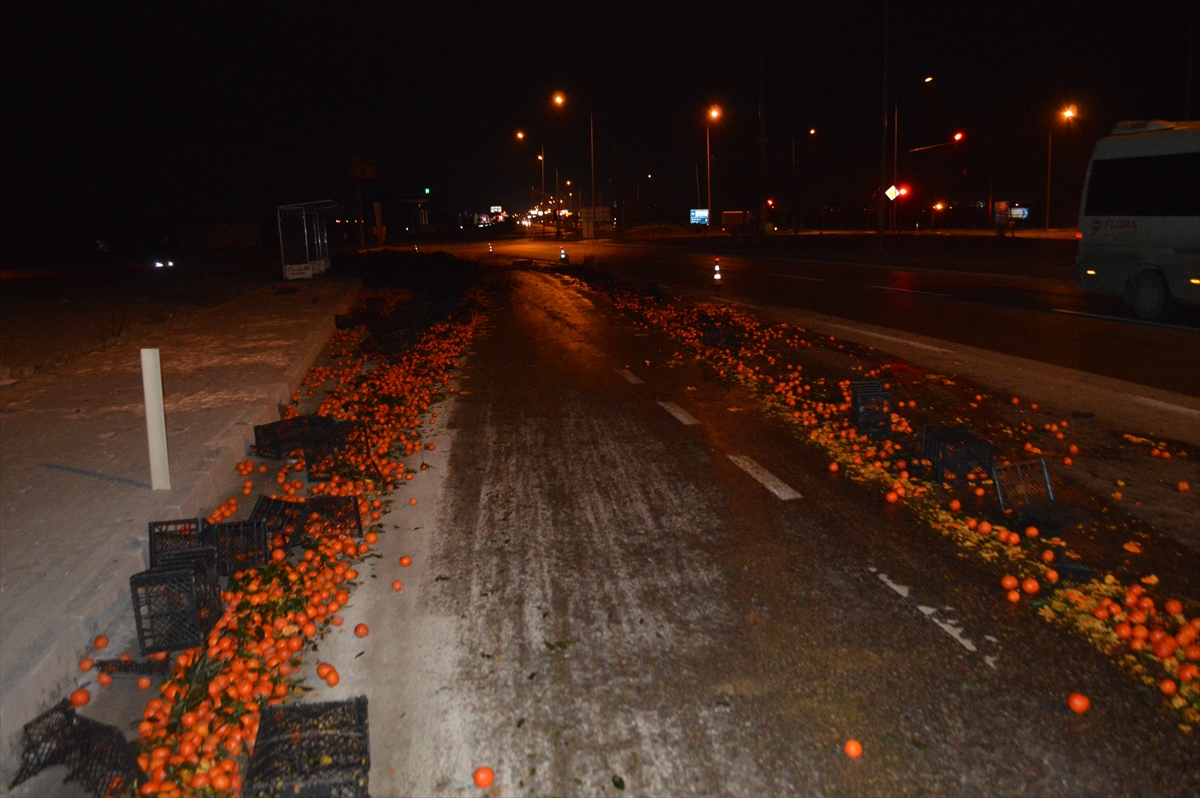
497, 209
699, 216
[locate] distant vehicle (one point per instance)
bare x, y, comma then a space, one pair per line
737, 222
1139, 222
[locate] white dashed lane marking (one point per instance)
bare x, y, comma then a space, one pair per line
684, 416
630, 376
766, 478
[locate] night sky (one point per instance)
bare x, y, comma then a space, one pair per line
192, 112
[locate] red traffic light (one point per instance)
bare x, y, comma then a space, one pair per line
771, 202
903, 191
958, 136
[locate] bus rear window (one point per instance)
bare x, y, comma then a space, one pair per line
1154, 185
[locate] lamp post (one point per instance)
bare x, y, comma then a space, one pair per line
714, 113
1068, 114
542, 161
560, 100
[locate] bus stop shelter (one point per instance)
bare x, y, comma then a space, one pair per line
304, 238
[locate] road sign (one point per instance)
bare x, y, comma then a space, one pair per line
699, 216
363, 168
497, 209
892, 193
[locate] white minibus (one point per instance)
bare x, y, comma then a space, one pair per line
1139, 222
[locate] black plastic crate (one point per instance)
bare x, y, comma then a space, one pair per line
133, 668
310, 750
240, 545
340, 512
933, 434
963, 456
872, 412
866, 386
102, 761
323, 455
177, 535
164, 608
283, 518
47, 740
277, 439
206, 567
1024, 483
96, 755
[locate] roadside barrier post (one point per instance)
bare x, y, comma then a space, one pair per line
156, 423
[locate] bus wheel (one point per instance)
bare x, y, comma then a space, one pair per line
1149, 295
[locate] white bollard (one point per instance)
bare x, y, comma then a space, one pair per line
156, 420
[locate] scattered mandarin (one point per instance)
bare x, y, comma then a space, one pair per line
80, 697
484, 777
1079, 703
853, 749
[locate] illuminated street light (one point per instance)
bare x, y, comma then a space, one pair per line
714, 113
559, 99
520, 136
1068, 113
958, 136
812, 131
929, 79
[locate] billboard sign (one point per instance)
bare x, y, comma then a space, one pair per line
699, 216
363, 169
497, 209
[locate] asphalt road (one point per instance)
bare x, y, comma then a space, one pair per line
1048, 320
613, 601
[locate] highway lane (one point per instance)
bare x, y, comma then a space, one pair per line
1051, 321
636, 582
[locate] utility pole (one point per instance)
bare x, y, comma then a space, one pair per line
795, 226
883, 131
592, 150
762, 127
1049, 152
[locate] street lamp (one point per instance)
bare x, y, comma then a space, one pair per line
714, 113
1068, 114
560, 100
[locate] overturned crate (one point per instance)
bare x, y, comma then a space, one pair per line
323, 455
134, 668
177, 535
240, 545
956, 452
277, 439
176, 605
1026, 483
284, 519
964, 457
311, 750
336, 512
871, 411
96, 755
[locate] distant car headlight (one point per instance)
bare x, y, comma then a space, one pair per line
158, 264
